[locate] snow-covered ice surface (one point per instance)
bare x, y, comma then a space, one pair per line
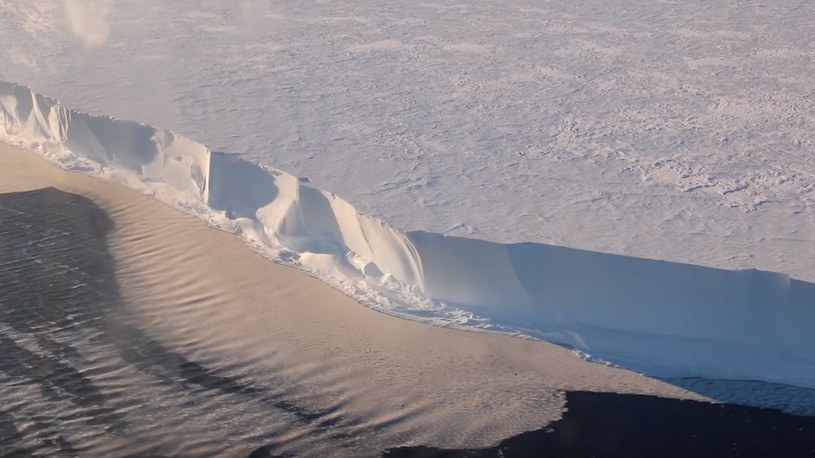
671, 130
676, 131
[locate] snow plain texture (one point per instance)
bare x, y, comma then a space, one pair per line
677, 131
669, 130
659, 317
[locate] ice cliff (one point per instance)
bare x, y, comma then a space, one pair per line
658, 317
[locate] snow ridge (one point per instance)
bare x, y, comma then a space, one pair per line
661, 318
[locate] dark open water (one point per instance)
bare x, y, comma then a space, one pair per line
78, 378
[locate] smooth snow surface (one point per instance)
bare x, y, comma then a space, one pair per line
679, 131
663, 318
670, 130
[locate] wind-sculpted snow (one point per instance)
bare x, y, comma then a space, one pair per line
658, 317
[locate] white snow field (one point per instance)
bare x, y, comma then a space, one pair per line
548, 133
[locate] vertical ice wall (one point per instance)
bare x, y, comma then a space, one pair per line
658, 317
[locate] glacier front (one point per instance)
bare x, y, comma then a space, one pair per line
661, 318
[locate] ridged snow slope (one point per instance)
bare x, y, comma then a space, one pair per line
658, 317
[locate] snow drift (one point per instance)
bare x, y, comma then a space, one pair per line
662, 318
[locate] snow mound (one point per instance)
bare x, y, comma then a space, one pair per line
658, 317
